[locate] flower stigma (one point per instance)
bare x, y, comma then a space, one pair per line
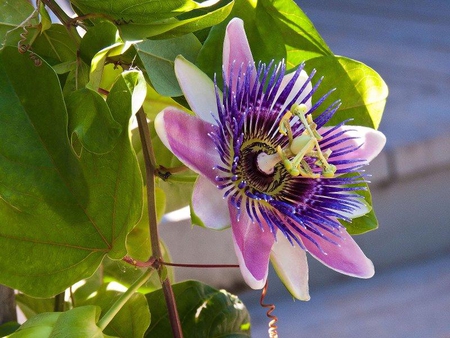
299, 147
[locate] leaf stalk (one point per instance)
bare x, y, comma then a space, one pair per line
120, 302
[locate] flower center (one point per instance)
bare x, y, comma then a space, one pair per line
249, 168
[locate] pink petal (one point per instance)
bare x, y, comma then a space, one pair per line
346, 257
252, 246
198, 89
209, 204
372, 142
187, 137
291, 265
236, 49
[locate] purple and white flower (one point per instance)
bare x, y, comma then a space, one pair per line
280, 178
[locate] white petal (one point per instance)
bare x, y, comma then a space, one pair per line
291, 265
209, 204
369, 141
198, 89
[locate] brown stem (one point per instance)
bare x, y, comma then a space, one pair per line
60, 14
66, 20
150, 168
59, 302
152, 262
7, 305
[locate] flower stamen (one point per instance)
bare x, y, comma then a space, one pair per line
306, 144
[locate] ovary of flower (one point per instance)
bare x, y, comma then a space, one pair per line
306, 144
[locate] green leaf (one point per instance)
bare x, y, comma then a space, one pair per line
87, 287
138, 240
203, 311
365, 223
99, 61
98, 37
127, 95
12, 15
189, 22
77, 77
362, 91
56, 46
31, 306
154, 103
46, 20
40, 326
261, 30
158, 58
8, 328
178, 193
138, 10
139, 19
275, 30
91, 120
131, 321
300, 37
78, 322
60, 214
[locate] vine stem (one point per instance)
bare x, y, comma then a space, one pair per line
60, 14
150, 169
64, 18
119, 303
59, 305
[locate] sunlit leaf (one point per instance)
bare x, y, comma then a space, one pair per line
155, 103
300, 37
138, 240
98, 37
276, 30
264, 37
362, 91
139, 19
86, 288
60, 214
99, 60
138, 10
127, 95
126, 274
133, 318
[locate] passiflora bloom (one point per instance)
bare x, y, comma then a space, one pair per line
279, 177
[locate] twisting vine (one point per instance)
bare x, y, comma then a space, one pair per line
273, 329
22, 45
